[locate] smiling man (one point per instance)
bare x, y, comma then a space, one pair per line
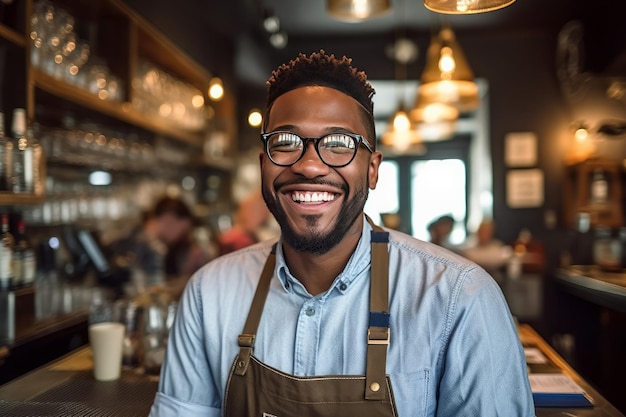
338, 317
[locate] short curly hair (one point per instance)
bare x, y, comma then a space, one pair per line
323, 69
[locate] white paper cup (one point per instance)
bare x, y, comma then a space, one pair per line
106, 340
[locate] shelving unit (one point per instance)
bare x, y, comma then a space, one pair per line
577, 196
122, 39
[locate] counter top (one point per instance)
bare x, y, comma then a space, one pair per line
66, 387
589, 282
602, 408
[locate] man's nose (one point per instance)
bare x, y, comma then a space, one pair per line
310, 165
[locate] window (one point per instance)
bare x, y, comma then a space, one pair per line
438, 188
420, 188
384, 198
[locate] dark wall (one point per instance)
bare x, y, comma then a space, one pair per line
518, 64
210, 48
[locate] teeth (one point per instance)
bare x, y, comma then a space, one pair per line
312, 197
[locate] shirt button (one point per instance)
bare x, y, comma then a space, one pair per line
343, 286
310, 311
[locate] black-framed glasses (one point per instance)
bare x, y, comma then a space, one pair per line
336, 150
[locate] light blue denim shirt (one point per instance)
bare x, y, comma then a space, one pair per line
454, 349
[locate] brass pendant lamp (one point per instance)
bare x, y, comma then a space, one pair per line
447, 77
355, 10
465, 6
434, 121
401, 135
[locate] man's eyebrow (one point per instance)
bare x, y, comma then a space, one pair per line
327, 130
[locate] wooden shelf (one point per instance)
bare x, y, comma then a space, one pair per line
121, 111
12, 36
577, 196
9, 199
122, 39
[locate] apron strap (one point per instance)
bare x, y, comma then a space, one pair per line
378, 330
247, 338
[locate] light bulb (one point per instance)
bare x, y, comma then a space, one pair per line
581, 134
216, 89
401, 121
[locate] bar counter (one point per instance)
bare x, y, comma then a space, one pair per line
589, 282
66, 388
29, 340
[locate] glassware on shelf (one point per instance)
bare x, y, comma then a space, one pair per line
161, 95
58, 51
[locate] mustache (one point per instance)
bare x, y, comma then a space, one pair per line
303, 181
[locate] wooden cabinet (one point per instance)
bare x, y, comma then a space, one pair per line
593, 189
125, 42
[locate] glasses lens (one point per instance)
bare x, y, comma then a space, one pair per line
284, 148
337, 149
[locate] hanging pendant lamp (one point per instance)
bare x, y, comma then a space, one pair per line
465, 6
447, 77
355, 10
401, 136
434, 121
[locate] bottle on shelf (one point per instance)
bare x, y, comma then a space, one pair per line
22, 178
530, 252
7, 242
4, 183
599, 191
24, 261
607, 250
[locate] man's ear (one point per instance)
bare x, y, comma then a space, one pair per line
372, 174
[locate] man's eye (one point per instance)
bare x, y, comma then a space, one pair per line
285, 141
338, 141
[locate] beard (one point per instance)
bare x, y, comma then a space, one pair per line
314, 241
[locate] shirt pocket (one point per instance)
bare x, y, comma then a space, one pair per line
410, 391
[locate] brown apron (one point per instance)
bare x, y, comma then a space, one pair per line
257, 390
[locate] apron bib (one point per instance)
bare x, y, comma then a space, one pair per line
257, 390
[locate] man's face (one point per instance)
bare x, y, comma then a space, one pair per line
316, 205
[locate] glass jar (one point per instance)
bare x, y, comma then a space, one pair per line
154, 339
607, 250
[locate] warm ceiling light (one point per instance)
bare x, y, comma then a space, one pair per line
400, 135
434, 113
447, 77
355, 10
434, 121
465, 6
216, 89
255, 118
581, 134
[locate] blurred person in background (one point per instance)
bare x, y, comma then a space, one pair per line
487, 251
162, 246
440, 229
251, 224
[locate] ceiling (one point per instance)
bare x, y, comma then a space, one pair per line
306, 18
308, 24
310, 17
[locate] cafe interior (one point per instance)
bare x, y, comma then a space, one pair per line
525, 131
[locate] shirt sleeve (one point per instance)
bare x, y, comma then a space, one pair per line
485, 368
186, 385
